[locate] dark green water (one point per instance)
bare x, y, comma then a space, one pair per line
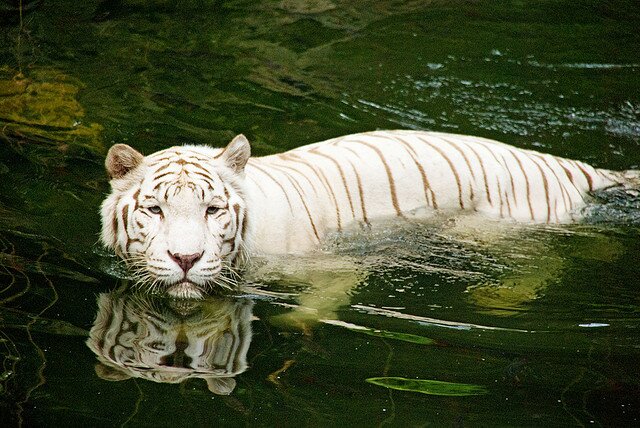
530, 327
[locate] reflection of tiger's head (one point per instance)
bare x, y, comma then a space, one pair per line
169, 341
178, 216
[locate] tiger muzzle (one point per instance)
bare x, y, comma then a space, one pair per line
185, 261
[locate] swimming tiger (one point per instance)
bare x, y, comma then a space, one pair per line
170, 341
185, 218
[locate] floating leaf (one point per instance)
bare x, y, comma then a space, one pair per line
431, 387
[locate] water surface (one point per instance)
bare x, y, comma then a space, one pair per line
450, 323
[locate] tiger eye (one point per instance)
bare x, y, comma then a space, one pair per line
212, 210
155, 209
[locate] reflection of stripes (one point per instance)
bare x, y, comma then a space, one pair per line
397, 173
139, 337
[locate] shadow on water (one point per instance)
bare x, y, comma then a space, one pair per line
455, 322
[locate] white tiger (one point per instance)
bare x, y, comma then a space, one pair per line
185, 216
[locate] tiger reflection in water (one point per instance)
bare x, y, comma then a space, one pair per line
170, 341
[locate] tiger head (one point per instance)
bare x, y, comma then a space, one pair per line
178, 217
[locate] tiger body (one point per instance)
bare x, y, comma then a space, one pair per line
332, 185
184, 215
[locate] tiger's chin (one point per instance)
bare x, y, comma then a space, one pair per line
185, 290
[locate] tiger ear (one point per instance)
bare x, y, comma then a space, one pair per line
237, 153
110, 373
121, 159
221, 385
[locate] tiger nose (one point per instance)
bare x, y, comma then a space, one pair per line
185, 261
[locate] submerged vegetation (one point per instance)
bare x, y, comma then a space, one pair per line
43, 109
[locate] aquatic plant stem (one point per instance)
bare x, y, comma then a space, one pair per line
385, 372
40, 372
19, 40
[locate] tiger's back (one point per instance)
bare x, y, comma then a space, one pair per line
328, 186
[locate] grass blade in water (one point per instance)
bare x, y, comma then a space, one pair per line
431, 387
405, 337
